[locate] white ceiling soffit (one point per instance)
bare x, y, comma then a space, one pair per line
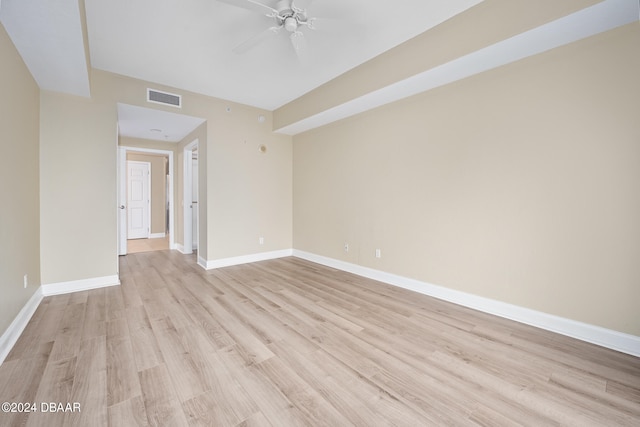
189, 44
590, 21
48, 35
146, 123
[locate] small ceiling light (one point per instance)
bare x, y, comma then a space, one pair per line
291, 24
155, 130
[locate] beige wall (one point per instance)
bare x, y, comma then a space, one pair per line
247, 194
20, 211
489, 22
78, 142
158, 164
519, 184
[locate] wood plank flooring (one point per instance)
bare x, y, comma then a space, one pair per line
147, 245
291, 343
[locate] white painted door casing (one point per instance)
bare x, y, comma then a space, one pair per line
194, 204
122, 201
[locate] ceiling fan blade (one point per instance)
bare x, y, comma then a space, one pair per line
299, 42
253, 5
301, 4
257, 39
325, 24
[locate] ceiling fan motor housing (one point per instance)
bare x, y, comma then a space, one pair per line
290, 24
289, 16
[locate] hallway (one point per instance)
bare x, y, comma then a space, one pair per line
135, 246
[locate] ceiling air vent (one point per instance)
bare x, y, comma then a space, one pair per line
164, 98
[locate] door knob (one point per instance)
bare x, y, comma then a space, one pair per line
121, 206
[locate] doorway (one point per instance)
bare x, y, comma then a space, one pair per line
190, 198
160, 228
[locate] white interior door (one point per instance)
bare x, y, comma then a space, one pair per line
138, 186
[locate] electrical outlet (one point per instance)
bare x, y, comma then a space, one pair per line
261, 240
26, 281
346, 247
378, 253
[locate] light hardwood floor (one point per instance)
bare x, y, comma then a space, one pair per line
147, 245
291, 343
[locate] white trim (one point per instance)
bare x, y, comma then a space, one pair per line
615, 340
202, 262
187, 197
122, 198
157, 235
603, 16
79, 285
243, 259
15, 329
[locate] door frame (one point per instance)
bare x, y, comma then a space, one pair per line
187, 206
122, 194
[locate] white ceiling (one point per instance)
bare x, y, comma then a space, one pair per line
592, 20
146, 123
48, 35
188, 44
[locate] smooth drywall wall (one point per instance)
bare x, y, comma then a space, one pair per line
78, 151
20, 211
521, 184
248, 194
480, 26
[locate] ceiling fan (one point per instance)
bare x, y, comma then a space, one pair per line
290, 15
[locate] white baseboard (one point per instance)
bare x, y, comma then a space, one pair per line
202, 262
157, 235
79, 285
244, 259
180, 248
13, 332
618, 341
11, 335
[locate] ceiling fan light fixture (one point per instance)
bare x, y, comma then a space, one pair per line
285, 14
291, 24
